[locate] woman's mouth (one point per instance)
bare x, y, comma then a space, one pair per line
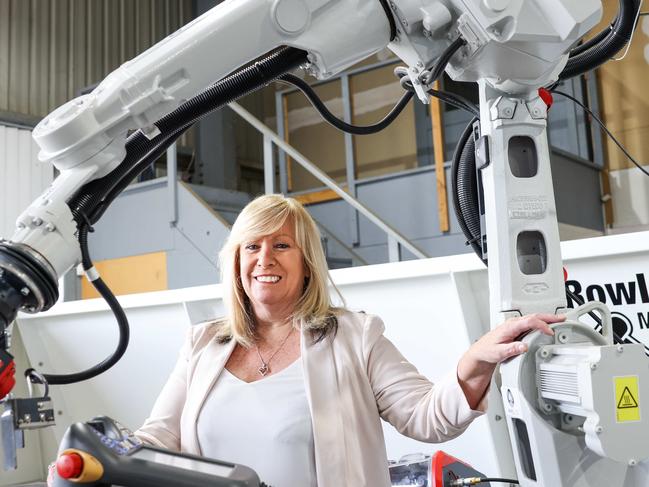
267, 279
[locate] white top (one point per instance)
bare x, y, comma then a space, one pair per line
265, 425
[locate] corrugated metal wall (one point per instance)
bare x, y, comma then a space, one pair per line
22, 176
50, 49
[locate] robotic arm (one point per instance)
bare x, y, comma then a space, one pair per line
511, 48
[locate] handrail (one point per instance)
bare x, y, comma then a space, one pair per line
330, 183
330, 234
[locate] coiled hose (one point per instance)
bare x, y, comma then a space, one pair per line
465, 189
597, 53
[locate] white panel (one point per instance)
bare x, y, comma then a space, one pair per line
10, 196
3, 181
26, 171
22, 176
630, 193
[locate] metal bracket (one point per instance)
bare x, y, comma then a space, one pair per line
12, 438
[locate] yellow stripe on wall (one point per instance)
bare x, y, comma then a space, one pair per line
130, 275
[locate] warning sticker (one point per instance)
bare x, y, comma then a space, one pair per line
627, 399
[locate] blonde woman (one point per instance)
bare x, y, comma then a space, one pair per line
296, 388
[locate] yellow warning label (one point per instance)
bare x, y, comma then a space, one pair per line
627, 399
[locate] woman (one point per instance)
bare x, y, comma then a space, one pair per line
294, 387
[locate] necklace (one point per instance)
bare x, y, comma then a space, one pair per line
265, 364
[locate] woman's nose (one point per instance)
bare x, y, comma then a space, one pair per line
265, 256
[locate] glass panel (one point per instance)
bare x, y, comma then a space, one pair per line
394, 149
314, 138
568, 128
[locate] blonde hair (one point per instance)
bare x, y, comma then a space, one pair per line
263, 216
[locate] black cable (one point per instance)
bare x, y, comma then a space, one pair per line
393, 23
481, 480
618, 37
447, 97
498, 480
432, 76
330, 118
456, 100
117, 310
604, 128
436, 71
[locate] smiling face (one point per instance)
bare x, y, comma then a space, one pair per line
272, 272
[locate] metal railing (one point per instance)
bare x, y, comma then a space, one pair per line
395, 238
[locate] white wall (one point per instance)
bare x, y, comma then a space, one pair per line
22, 176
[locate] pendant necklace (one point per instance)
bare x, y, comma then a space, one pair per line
265, 364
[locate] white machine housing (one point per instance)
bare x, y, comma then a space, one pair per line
561, 404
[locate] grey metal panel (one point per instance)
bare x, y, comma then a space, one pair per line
50, 49
186, 267
329, 214
134, 224
577, 190
201, 225
411, 207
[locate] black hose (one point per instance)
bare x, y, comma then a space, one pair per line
465, 189
597, 54
131, 174
391, 21
117, 310
172, 125
434, 74
438, 70
596, 39
330, 118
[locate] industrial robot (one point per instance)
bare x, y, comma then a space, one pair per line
573, 402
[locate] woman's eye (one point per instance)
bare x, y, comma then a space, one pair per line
251, 246
282, 245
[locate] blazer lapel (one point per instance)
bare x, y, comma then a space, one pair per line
321, 383
208, 368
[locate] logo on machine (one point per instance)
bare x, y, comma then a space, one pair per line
628, 301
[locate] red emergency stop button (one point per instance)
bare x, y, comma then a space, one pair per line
69, 466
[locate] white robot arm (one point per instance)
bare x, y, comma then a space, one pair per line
511, 48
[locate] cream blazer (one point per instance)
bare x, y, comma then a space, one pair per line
351, 381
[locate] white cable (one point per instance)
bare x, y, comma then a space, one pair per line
635, 27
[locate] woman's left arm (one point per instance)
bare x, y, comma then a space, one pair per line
477, 365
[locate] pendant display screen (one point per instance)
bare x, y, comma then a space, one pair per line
185, 463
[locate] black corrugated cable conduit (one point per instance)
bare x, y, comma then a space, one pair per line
465, 188
598, 53
172, 125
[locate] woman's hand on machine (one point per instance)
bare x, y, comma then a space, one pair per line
478, 363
